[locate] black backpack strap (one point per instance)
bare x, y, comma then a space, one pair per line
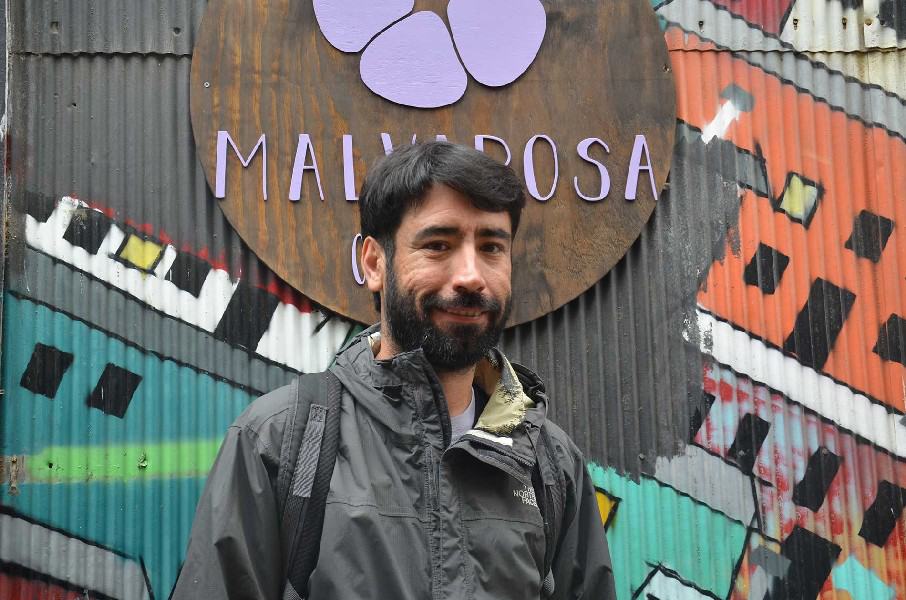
304, 390
549, 488
306, 493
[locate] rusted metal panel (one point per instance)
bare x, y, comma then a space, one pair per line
100, 27
244, 48
701, 25
798, 25
845, 26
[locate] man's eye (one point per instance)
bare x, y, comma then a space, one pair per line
493, 248
436, 246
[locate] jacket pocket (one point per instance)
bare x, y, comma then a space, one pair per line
503, 531
506, 557
367, 554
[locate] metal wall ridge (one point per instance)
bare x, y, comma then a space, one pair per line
101, 27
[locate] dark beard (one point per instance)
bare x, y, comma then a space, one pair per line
456, 350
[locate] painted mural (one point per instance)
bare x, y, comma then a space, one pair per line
791, 480
129, 306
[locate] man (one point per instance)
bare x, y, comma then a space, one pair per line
432, 493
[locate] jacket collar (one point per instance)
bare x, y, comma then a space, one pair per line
515, 394
507, 401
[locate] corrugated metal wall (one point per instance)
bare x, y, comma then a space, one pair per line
736, 381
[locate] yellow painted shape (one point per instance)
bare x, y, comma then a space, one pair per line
799, 198
605, 506
141, 253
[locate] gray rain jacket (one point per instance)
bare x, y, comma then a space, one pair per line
408, 516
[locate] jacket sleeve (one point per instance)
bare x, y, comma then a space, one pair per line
582, 567
234, 547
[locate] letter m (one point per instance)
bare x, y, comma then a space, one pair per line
223, 138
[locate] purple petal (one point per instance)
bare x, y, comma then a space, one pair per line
414, 63
349, 24
497, 40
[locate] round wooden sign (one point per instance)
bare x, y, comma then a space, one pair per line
292, 101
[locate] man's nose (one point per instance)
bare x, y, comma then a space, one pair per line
467, 275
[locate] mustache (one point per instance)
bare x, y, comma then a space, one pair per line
473, 300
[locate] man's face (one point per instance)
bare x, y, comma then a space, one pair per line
447, 287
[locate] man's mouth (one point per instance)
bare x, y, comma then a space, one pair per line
464, 312
464, 309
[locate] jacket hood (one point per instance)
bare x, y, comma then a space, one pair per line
515, 394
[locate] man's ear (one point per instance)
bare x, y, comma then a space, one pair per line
373, 264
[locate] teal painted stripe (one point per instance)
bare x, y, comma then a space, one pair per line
656, 525
172, 403
148, 520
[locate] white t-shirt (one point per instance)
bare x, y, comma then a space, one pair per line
463, 422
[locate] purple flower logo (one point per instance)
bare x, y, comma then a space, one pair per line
411, 59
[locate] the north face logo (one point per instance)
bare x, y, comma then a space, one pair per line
527, 495
412, 60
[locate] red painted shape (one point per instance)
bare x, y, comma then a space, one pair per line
150, 230
768, 15
287, 294
727, 392
13, 587
205, 254
165, 238
145, 228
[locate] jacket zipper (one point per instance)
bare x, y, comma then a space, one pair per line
434, 535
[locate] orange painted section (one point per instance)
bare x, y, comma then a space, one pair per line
858, 167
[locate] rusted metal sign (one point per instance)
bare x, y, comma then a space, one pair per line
292, 101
